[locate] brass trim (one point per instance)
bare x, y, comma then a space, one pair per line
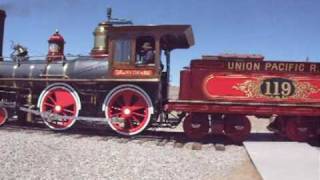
82, 80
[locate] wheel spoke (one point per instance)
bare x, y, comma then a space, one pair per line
68, 111
135, 108
49, 104
52, 98
115, 115
128, 122
135, 119
65, 120
70, 107
116, 108
140, 102
138, 114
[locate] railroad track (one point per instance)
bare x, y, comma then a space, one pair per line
103, 133
159, 137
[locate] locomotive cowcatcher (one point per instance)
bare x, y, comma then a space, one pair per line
115, 85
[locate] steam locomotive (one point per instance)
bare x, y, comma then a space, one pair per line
112, 85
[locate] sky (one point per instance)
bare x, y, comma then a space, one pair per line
276, 29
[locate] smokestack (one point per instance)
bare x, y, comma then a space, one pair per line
2, 18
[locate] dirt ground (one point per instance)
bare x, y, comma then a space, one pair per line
247, 170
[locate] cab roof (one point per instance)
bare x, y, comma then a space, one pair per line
172, 36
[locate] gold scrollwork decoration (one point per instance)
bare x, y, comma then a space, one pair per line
252, 89
304, 89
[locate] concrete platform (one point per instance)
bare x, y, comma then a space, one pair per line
285, 160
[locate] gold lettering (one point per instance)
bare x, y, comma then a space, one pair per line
313, 68
238, 66
256, 66
291, 66
281, 67
274, 67
296, 67
249, 66
301, 67
230, 65
267, 66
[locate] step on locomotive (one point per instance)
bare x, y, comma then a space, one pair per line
124, 82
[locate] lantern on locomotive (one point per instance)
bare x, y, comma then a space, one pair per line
56, 47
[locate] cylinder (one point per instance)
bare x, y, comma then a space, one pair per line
2, 19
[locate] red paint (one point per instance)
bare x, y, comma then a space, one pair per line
3, 116
185, 77
130, 108
209, 81
221, 86
56, 47
67, 103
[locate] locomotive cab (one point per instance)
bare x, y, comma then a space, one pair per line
128, 45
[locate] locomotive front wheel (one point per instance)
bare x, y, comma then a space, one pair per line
3, 116
196, 126
299, 129
128, 109
59, 100
237, 128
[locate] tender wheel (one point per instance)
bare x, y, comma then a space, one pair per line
299, 129
237, 128
3, 116
217, 124
128, 109
196, 126
60, 100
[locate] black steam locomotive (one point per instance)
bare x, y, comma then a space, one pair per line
111, 84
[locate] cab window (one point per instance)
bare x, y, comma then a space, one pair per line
122, 50
145, 50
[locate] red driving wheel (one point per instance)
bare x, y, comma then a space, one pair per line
237, 127
298, 129
63, 101
3, 116
196, 126
128, 109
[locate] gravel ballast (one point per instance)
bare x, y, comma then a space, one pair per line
32, 154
